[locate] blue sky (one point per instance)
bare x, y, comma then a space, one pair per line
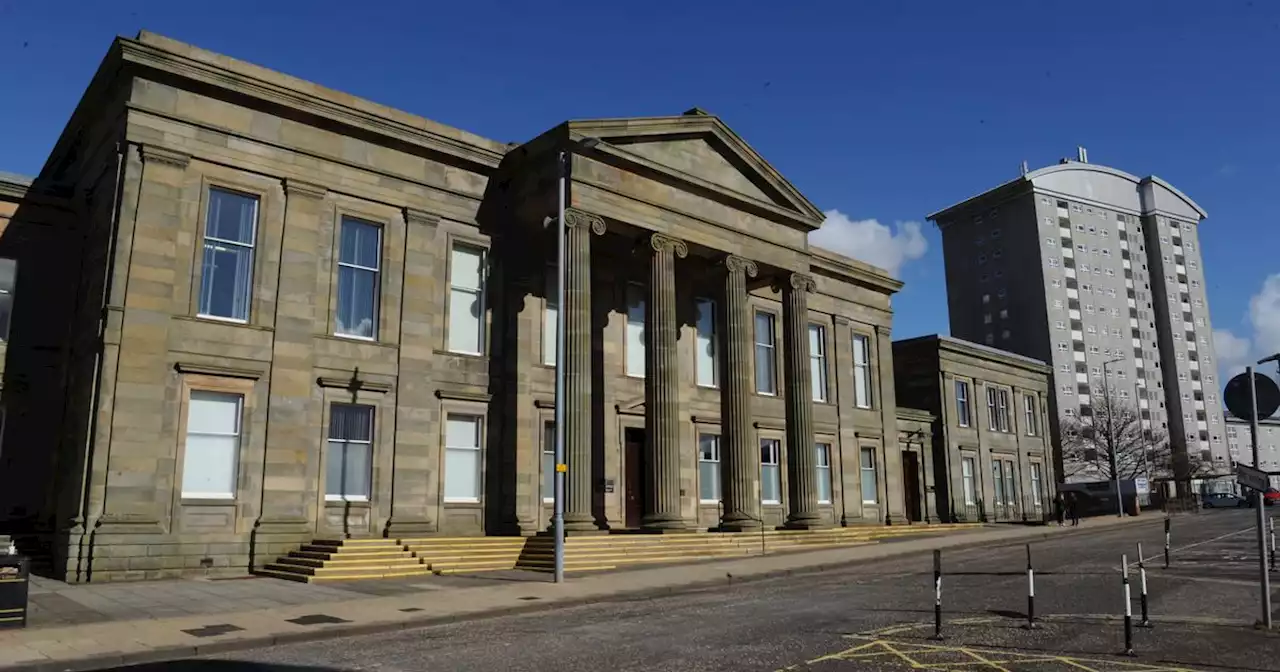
881, 110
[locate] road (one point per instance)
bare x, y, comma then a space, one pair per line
871, 616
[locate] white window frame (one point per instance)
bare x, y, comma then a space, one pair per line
1029, 416
634, 339
368, 445
862, 387
822, 464
377, 280
818, 362
477, 449
707, 357
968, 480
963, 403
237, 435
765, 384
548, 483
223, 242
771, 463
478, 293
711, 464
864, 470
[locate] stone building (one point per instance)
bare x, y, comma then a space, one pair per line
989, 415
274, 312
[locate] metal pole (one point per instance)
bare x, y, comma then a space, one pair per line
1111, 437
937, 594
1031, 592
558, 515
1128, 606
1142, 596
1260, 502
1271, 523
1167, 522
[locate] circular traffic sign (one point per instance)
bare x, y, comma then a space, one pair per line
1236, 396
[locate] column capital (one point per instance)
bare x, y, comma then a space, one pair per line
661, 242
575, 218
299, 188
796, 281
737, 264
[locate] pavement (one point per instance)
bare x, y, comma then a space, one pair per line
111, 625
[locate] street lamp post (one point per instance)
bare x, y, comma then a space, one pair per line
557, 517
1260, 497
1111, 436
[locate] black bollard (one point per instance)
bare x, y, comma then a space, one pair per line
937, 594
1166, 542
1142, 596
1031, 592
1128, 606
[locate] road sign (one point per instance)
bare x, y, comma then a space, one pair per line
1142, 485
1236, 396
1252, 478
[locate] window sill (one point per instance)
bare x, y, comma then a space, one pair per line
332, 500
767, 502
208, 500
353, 337
219, 318
709, 502
871, 502
714, 386
213, 319
462, 502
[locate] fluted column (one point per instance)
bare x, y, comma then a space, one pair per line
581, 226
661, 390
740, 458
802, 491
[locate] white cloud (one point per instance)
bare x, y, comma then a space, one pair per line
870, 241
1262, 332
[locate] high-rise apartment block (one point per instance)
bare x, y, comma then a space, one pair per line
1097, 272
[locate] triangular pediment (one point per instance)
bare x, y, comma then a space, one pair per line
702, 150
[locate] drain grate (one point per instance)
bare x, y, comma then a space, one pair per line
531, 598
317, 619
213, 630
409, 610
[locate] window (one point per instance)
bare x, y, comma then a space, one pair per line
226, 271
861, 371
1010, 484
466, 300
359, 256
707, 364
8, 275
992, 423
967, 476
213, 445
1029, 414
823, 462
635, 331
998, 409
1053, 262
997, 474
766, 377
462, 458
770, 474
962, 403
550, 320
868, 475
349, 459
709, 467
1037, 492
549, 463
818, 361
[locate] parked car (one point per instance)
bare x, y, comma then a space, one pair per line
1224, 500
1270, 498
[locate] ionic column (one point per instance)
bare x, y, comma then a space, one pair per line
802, 490
578, 515
661, 390
740, 458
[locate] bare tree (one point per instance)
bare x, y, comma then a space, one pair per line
1140, 449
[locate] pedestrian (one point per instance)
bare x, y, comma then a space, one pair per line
1059, 508
1073, 509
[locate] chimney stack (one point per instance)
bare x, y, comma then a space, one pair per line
1082, 155
1023, 169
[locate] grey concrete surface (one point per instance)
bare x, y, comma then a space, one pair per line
872, 616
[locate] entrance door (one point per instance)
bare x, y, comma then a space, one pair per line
633, 454
911, 484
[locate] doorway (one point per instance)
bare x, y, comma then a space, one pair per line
633, 455
911, 484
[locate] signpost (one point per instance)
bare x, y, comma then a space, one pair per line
1252, 396
1141, 485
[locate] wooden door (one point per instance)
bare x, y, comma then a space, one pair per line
633, 454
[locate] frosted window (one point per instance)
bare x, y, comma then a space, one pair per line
462, 459
466, 300
635, 331
349, 462
707, 363
213, 445
709, 467
770, 471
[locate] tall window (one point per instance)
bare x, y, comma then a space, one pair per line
635, 331
1002, 410
818, 361
707, 364
1036, 491
359, 256
770, 471
997, 472
549, 463
1010, 484
349, 462
862, 371
967, 473
992, 422
550, 320
462, 458
868, 465
823, 462
709, 467
213, 445
226, 272
766, 379
962, 403
466, 299
1029, 415
8, 277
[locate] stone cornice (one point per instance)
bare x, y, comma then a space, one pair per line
157, 154
459, 395
353, 383
217, 370
416, 216
914, 414
850, 270
235, 76
300, 188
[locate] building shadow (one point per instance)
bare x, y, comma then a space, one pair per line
199, 665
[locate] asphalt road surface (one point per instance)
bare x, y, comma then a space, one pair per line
874, 616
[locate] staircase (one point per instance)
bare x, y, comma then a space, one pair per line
351, 559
